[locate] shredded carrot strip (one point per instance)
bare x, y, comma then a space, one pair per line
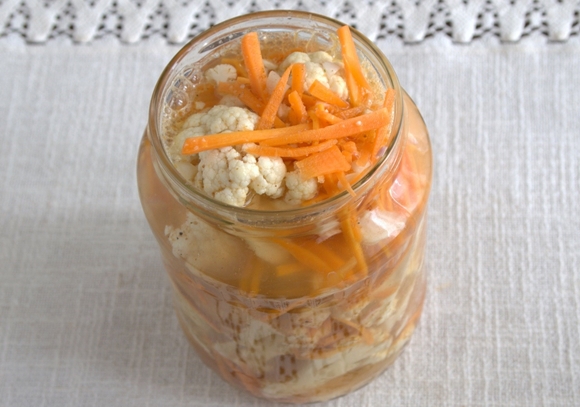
288, 268
304, 256
241, 79
194, 145
384, 133
242, 92
342, 178
349, 150
352, 112
254, 286
325, 162
291, 152
314, 118
323, 114
325, 253
355, 79
309, 101
254, 64
273, 104
346, 128
298, 73
352, 234
319, 91
297, 107
365, 148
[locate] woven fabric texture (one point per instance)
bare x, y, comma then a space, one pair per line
176, 21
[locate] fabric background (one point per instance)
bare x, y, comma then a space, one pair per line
85, 307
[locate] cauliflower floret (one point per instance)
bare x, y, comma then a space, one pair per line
224, 174
293, 58
299, 190
319, 66
222, 118
320, 57
221, 73
270, 181
380, 226
218, 119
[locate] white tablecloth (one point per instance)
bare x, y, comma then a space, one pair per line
85, 307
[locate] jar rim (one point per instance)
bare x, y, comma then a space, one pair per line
175, 181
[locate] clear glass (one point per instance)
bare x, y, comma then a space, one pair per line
284, 332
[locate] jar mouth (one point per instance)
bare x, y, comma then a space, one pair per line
230, 30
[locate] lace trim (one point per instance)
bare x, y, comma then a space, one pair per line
179, 20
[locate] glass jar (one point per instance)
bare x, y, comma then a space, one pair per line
298, 304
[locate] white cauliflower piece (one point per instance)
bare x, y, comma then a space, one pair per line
320, 56
293, 58
220, 119
203, 247
319, 66
227, 174
224, 174
221, 73
270, 180
380, 226
299, 190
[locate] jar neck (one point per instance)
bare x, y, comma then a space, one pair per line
219, 36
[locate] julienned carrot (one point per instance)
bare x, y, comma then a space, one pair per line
298, 73
194, 145
352, 235
242, 92
346, 128
273, 104
319, 91
297, 107
288, 268
342, 178
352, 112
384, 133
325, 115
352, 64
290, 152
325, 162
254, 64
308, 100
304, 256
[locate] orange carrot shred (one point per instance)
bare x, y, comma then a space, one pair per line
346, 128
273, 104
252, 56
242, 92
297, 107
194, 145
318, 90
290, 152
323, 114
309, 101
304, 256
356, 82
298, 73
322, 163
384, 133
346, 185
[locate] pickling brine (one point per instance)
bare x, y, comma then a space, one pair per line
285, 174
